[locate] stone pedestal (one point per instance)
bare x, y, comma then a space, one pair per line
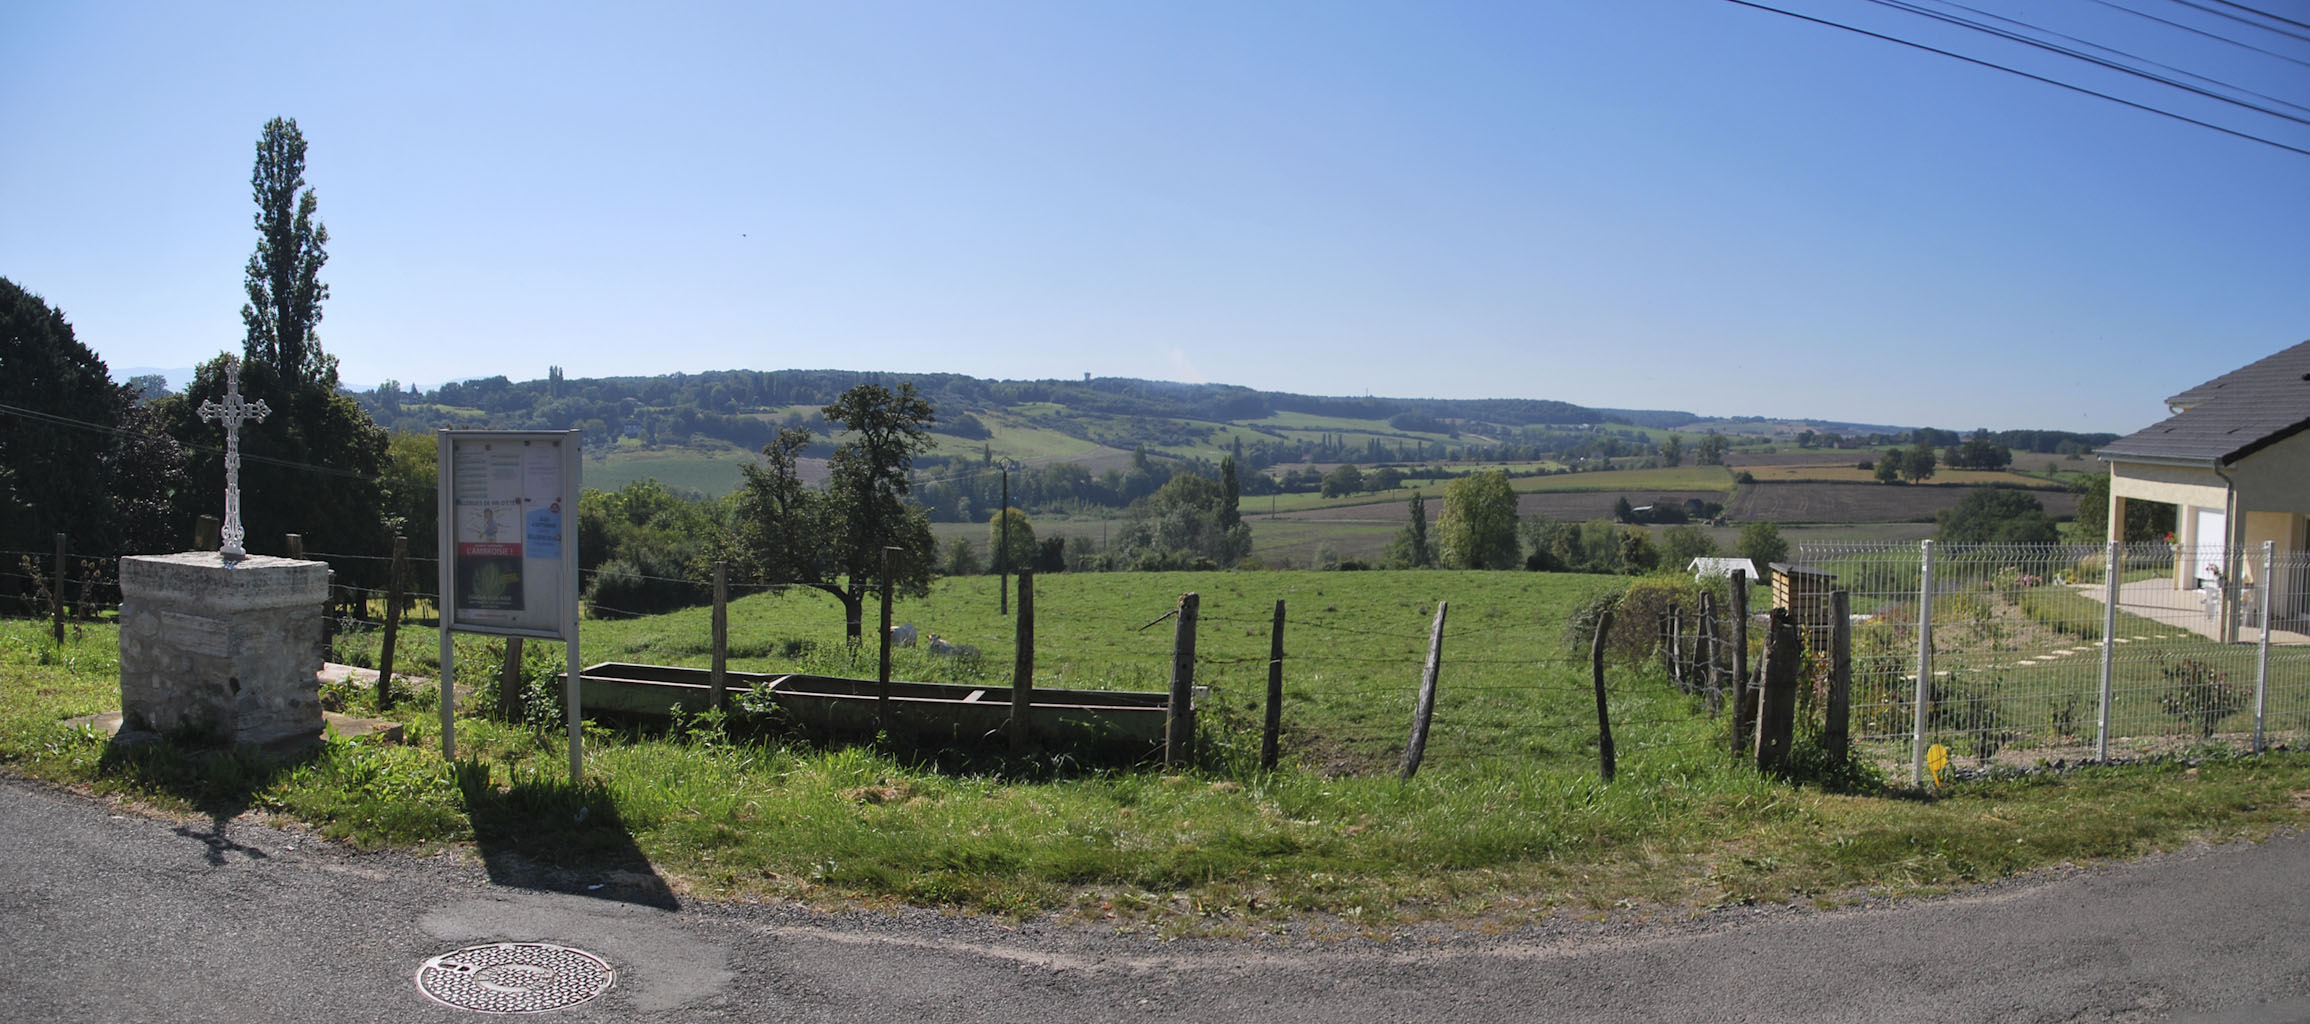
222, 651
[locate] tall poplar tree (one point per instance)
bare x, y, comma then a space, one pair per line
284, 273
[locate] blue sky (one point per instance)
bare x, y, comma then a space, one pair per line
1655, 204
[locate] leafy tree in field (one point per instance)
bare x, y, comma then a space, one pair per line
866, 495
406, 487
1888, 469
832, 540
961, 558
1638, 555
1342, 480
1622, 511
1997, 515
311, 466
1385, 478
1711, 450
1761, 543
1679, 545
1178, 527
640, 546
1917, 463
1411, 548
2145, 520
1672, 451
1010, 540
1478, 528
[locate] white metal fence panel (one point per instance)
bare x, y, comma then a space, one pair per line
2027, 658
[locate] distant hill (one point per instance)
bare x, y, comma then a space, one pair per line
1096, 441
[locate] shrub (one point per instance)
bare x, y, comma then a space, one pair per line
2200, 695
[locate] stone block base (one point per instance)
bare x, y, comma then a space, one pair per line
222, 651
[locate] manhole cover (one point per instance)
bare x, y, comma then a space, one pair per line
514, 977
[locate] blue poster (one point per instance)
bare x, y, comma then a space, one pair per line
541, 532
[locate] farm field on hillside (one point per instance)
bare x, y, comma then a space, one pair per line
1851, 473
1824, 502
713, 469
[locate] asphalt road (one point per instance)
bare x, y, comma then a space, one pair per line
107, 915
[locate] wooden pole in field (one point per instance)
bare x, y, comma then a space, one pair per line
1838, 733
509, 682
393, 573
56, 593
1023, 665
1705, 646
1604, 755
1417, 747
1676, 648
718, 676
1777, 708
1273, 734
1179, 719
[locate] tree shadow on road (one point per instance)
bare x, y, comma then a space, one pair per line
547, 835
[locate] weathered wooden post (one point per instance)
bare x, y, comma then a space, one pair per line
1676, 648
1744, 700
509, 682
295, 543
1777, 711
1707, 645
1023, 665
1604, 755
1179, 719
393, 571
718, 675
56, 593
1003, 545
1271, 737
882, 672
1417, 746
1837, 733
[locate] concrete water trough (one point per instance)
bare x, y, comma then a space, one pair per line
1116, 722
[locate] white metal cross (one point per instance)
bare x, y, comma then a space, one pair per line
233, 413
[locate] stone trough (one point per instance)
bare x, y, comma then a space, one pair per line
1110, 723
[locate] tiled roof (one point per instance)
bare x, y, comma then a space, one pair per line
2230, 417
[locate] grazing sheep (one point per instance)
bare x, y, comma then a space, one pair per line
945, 649
902, 636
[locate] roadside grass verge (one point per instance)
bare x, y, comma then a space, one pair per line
1507, 821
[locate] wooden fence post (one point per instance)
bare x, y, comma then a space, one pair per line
718, 673
56, 593
1272, 735
1744, 703
1604, 753
295, 543
1179, 719
1837, 733
1417, 746
1023, 665
1709, 647
393, 573
1777, 711
1676, 648
882, 670
509, 688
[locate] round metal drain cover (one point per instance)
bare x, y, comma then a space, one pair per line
514, 977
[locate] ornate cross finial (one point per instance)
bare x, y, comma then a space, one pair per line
233, 413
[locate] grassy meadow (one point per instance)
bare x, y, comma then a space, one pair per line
1507, 821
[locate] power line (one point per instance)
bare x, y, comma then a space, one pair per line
2024, 74
1902, 4
2262, 13
2247, 21
2194, 30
